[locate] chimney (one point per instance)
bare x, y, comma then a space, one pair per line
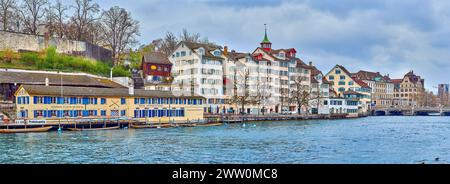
225, 51
47, 82
131, 90
310, 63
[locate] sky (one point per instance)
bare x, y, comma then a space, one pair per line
386, 36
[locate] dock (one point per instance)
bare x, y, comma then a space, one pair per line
238, 118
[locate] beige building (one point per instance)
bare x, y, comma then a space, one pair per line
382, 88
53, 103
409, 91
347, 86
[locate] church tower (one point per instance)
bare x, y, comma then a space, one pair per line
266, 44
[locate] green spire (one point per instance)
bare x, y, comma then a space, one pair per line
266, 39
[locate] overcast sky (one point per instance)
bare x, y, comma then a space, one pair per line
389, 36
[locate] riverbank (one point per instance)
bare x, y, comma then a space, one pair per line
210, 120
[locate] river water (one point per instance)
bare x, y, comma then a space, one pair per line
367, 140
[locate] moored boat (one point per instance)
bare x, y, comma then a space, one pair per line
149, 126
93, 129
26, 130
209, 124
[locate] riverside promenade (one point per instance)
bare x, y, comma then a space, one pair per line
91, 123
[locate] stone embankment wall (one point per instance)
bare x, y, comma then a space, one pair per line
20, 42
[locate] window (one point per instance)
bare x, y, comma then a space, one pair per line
103, 101
341, 83
342, 77
183, 53
337, 71
351, 83
123, 113
103, 113
217, 53
123, 101
341, 89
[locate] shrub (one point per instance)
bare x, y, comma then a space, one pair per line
120, 71
29, 58
9, 55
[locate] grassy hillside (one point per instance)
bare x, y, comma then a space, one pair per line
50, 60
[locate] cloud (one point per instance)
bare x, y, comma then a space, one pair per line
378, 35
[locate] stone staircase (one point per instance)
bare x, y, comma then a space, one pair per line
137, 79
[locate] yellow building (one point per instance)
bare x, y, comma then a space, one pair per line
342, 81
53, 103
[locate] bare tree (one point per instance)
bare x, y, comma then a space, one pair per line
300, 95
85, 15
58, 16
6, 12
317, 95
263, 92
169, 43
188, 37
241, 91
119, 29
32, 12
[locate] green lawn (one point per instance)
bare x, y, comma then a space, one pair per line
49, 60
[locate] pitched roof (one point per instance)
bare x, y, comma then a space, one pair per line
351, 93
371, 76
156, 58
396, 81
97, 92
360, 82
237, 55
413, 77
344, 69
38, 78
208, 48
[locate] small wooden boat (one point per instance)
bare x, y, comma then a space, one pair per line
149, 126
188, 125
25, 130
93, 129
209, 124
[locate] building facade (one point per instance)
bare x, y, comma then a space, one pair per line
53, 103
199, 69
409, 91
342, 81
382, 88
156, 67
443, 90
319, 92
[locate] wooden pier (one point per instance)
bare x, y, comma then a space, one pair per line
238, 118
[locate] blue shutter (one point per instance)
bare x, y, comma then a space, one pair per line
35, 100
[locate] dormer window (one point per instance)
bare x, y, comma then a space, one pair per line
217, 53
281, 55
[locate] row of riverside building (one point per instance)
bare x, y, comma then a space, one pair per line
198, 79
271, 80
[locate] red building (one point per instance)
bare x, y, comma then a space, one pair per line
156, 66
